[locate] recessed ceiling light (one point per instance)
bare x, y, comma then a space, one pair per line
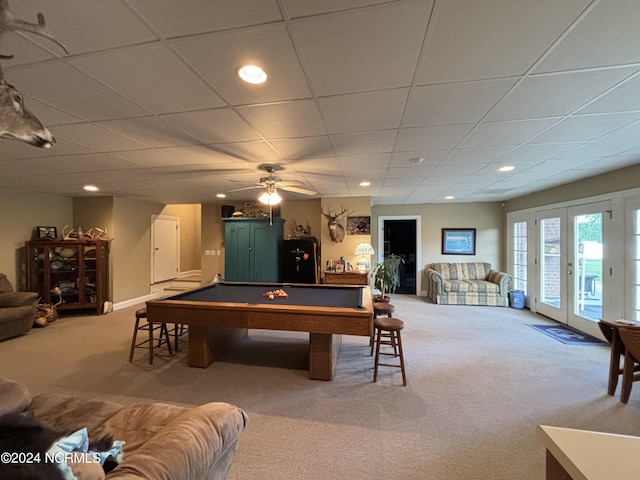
506, 168
365, 184
449, 197
417, 160
221, 195
252, 74
90, 188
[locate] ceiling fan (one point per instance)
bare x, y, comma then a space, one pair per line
271, 185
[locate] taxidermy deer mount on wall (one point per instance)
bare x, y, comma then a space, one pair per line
336, 231
16, 121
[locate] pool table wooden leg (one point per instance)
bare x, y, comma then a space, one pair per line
323, 355
206, 344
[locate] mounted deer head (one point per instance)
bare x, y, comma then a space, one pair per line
16, 121
336, 231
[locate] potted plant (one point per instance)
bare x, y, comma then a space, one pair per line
386, 276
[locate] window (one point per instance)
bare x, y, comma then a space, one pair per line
636, 265
520, 256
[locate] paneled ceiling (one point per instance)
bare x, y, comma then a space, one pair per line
147, 103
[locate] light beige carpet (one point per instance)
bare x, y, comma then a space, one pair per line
479, 381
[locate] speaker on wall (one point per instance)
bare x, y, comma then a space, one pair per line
227, 211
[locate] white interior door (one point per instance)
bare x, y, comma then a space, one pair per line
165, 248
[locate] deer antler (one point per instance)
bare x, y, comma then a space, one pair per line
9, 22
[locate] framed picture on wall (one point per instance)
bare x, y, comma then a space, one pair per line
358, 225
458, 241
47, 233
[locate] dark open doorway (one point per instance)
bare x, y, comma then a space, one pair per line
400, 238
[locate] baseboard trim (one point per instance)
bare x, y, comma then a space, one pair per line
134, 301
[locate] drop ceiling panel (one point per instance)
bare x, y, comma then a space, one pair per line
363, 163
257, 151
623, 98
582, 128
471, 40
556, 94
491, 134
304, 147
364, 143
362, 112
358, 50
430, 157
74, 92
302, 8
476, 155
152, 131
452, 103
299, 118
96, 138
266, 47
131, 71
219, 125
171, 18
149, 158
86, 26
608, 35
431, 138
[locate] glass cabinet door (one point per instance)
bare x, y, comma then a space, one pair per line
64, 269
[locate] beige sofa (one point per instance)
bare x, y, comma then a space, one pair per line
473, 283
17, 310
162, 441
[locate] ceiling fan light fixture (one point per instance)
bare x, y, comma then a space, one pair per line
270, 198
252, 74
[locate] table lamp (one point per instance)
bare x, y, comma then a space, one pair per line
363, 250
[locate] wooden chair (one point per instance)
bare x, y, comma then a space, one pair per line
380, 308
150, 342
610, 331
391, 327
631, 341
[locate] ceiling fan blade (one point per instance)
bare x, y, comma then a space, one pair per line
245, 188
303, 191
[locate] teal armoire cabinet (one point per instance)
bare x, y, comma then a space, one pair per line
252, 249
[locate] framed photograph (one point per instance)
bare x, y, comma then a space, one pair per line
47, 233
458, 241
358, 225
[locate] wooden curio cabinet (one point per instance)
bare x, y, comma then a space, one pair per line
79, 269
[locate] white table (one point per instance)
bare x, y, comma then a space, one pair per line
583, 455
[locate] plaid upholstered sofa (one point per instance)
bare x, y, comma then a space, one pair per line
472, 283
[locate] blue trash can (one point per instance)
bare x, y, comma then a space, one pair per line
516, 299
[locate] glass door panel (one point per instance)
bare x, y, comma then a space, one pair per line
552, 264
587, 234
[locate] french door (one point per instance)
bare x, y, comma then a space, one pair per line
572, 261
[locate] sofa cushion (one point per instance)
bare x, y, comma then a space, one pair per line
459, 286
462, 271
14, 397
482, 286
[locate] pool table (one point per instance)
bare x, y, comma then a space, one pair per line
220, 314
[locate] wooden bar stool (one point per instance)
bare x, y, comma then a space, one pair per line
380, 308
150, 342
390, 326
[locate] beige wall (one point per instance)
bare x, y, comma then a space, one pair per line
190, 234
212, 240
305, 212
22, 212
486, 218
330, 250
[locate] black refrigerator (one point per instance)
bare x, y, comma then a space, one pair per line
300, 261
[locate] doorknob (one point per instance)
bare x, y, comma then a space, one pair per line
157, 248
